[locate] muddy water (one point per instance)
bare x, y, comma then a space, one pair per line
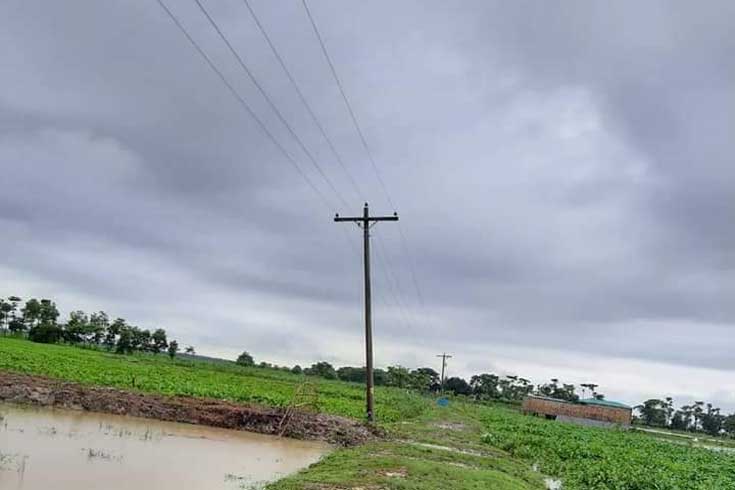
42, 449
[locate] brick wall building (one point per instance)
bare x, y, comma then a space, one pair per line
597, 412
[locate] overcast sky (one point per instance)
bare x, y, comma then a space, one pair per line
563, 172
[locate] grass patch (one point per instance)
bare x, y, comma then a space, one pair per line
422, 455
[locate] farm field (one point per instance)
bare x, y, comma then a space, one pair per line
607, 459
226, 381
465, 446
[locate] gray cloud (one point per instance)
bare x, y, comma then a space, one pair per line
563, 173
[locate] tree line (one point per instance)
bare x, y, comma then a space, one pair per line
697, 417
38, 320
481, 387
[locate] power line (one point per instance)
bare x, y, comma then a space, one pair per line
365, 145
270, 102
393, 281
260, 123
347, 103
265, 95
411, 265
245, 105
252, 114
332, 147
306, 104
326, 137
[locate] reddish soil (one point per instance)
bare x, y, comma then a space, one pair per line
37, 390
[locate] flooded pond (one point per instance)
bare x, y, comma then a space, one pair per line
42, 449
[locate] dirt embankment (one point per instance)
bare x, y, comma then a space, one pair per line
36, 390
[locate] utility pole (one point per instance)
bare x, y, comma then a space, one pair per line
444, 357
366, 222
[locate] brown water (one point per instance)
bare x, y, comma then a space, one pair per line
44, 449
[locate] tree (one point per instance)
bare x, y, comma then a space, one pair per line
669, 409
485, 386
43, 316
653, 412
245, 359
398, 376
425, 379
560, 392
190, 350
323, 369
113, 331
380, 377
680, 420
76, 328
351, 374
48, 312
458, 386
712, 420
16, 325
45, 333
173, 348
98, 325
729, 424
31, 313
158, 341
5, 308
297, 369
697, 411
124, 344
141, 339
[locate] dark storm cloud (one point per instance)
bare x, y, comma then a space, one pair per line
564, 175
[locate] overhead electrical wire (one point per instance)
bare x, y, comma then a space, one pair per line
387, 268
365, 145
245, 105
306, 104
270, 102
262, 125
275, 109
394, 284
347, 103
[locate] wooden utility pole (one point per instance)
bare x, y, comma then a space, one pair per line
365, 222
444, 357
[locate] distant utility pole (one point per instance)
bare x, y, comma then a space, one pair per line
366, 222
444, 357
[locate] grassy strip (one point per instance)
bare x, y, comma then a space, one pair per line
227, 381
441, 449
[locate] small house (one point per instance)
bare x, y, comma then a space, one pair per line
590, 411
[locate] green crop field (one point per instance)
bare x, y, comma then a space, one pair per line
464, 447
227, 381
588, 458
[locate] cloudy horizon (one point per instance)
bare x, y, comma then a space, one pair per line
563, 175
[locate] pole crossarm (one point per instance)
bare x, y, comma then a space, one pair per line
365, 221
339, 218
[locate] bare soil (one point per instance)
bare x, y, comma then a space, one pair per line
37, 390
